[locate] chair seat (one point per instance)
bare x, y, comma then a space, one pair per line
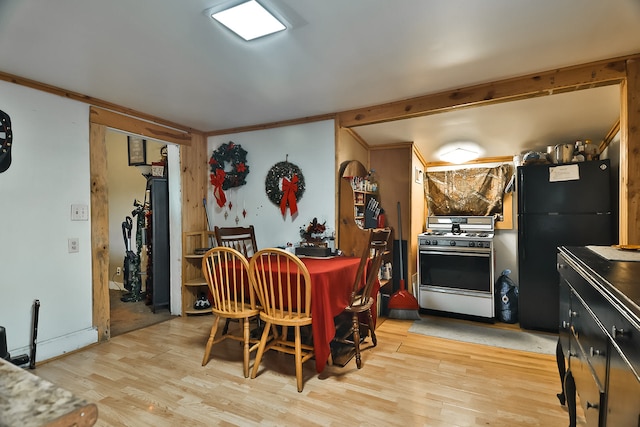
241, 314
359, 307
286, 320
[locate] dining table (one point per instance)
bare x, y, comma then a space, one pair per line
332, 280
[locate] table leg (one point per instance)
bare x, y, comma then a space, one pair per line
570, 388
561, 371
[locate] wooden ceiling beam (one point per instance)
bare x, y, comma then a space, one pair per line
93, 101
594, 74
136, 126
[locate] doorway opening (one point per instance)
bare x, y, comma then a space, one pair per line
138, 234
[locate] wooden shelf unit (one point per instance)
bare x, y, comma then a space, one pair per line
193, 280
353, 204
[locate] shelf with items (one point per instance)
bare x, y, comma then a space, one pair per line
359, 207
194, 246
366, 206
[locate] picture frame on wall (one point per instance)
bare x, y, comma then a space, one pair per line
137, 150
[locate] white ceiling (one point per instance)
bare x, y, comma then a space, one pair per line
168, 59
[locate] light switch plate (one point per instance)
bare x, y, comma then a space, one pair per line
417, 175
79, 213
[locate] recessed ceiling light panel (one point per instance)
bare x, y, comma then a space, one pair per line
459, 152
249, 20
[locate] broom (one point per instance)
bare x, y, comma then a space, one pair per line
402, 305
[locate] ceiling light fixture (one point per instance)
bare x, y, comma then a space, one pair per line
249, 20
459, 152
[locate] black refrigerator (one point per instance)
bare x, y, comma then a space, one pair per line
558, 205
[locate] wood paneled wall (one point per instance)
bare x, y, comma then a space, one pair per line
630, 155
194, 173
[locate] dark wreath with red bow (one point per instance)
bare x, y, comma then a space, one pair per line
223, 179
284, 186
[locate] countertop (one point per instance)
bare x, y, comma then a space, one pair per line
27, 400
619, 281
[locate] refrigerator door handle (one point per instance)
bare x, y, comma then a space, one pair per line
522, 253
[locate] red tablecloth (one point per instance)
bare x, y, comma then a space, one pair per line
331, 283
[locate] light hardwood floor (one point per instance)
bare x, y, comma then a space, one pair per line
154, 377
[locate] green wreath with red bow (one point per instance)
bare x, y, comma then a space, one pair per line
284, 186
222, 179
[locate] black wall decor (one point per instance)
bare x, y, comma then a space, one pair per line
6, 140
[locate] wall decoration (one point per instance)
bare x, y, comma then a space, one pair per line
6, 140
284, 186
137, 149
223, 180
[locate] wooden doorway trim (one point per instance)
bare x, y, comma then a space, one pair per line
99, 121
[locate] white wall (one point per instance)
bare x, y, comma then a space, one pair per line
505, 245
312, 148
49, 173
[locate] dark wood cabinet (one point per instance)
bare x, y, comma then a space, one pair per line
600, 336
159, 278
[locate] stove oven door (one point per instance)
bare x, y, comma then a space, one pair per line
458, 280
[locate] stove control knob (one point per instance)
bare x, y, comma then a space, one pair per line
452, 242
472, 244
426, 242
434, 242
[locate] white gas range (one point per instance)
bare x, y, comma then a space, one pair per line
456, 265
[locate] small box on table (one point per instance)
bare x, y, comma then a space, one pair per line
313, 251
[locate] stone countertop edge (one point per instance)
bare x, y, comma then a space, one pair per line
28, 400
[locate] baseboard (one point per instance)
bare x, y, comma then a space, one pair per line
49, 349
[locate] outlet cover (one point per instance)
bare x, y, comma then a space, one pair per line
74, 245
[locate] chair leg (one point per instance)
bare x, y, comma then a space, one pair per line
372, 328
226, 326
263, 343
212, 335
245, 362
356, 338
298, 355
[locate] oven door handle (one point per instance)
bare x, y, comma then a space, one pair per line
457, 252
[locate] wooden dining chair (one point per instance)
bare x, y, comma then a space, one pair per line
361, 300
227, 273
283, 288
242, 239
